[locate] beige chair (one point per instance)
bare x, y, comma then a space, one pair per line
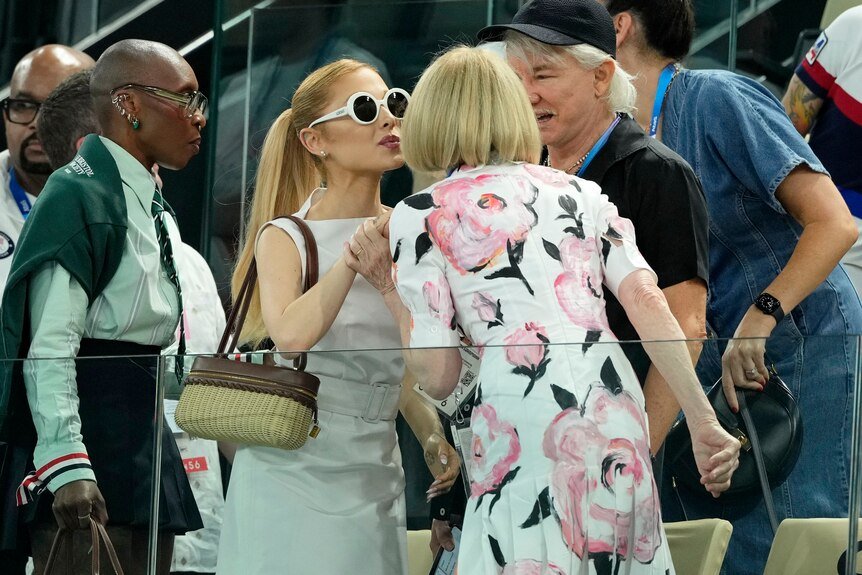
809, 547
698, 547
833, 8
419, 558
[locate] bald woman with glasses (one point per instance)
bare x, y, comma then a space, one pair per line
94, 276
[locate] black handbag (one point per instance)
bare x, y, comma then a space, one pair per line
769, 427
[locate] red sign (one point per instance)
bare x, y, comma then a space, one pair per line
195, 464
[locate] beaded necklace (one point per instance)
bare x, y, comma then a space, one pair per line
575, 165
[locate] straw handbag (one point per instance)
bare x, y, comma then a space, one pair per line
249, 403
99, 535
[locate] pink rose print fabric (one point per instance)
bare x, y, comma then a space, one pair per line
495, 451
554, 178
620, 227
488, 308
579, 286
527, 350
439, 301
594, 466
517, 259
474, 227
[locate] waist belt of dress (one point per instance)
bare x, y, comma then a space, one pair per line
371, 403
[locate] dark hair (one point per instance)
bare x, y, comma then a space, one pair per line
66, 115
668, 25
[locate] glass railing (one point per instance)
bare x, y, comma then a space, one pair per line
260, 52
545, 416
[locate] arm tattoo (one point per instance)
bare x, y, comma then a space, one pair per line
802, 105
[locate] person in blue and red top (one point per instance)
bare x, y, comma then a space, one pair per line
824, 99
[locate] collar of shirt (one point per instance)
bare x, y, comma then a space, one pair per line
465, 171
626, 139
133, 174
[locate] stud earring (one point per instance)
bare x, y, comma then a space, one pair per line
323, 154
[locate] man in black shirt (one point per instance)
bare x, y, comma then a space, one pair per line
563, 51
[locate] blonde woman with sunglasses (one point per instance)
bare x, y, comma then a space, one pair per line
337, 504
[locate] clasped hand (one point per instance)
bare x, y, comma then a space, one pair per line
716, 453
367, 253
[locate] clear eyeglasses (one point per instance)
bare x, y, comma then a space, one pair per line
191, 102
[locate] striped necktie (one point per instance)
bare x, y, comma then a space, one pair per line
167, 257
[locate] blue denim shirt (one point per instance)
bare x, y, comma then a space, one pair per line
741, 144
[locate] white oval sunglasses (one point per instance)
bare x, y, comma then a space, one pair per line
363, 108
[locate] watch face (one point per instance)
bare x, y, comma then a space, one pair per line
767, 303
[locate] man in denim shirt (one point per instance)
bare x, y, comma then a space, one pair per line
778, 228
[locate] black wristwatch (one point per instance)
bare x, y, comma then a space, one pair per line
769, 304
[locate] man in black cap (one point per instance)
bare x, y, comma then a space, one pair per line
564, 52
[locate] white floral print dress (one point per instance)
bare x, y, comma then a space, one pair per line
517, 257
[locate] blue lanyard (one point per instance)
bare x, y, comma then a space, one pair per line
660, 92
597, 147
21, 199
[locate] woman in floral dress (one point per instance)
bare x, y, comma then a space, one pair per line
517, 257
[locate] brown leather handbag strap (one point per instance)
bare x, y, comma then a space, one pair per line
231, 327
240, 307
98, 530
97, 533
312, 265
60, 536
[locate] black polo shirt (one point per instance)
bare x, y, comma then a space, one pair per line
659, 192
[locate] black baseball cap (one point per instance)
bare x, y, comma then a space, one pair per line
561, 23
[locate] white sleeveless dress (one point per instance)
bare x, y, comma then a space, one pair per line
337, 504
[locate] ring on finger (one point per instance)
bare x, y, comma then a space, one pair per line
751, 372
359, 251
